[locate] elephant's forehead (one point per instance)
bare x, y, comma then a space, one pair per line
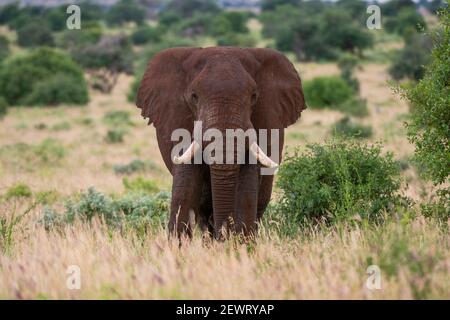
225, 57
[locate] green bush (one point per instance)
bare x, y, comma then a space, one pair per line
338, 181
20, 76
4, 47
19, 191
315, 31
404, 20
323, 92
438, 207
115, 135
30, 157
35, 34
90, 34
134, 166
146, 34
429, 125
410, 61
140, 185
347, 63
49, 150
126, 11
3, 107
238, 40
112, 52
117, 118
61, 126
57, 90
346, 128
355, 107
135, 210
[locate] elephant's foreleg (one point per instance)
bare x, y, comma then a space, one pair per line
186, 192
246, 200
264, 194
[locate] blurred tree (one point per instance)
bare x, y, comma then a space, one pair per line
406, 19
20, 75
35, 33
146, 34
56, 18
187, 8
410, 61
267, 5
4, 47
168, 18
8, 13
393, 7
347, 63
429, 126
315, 34
105, 60
90, 33
126, 11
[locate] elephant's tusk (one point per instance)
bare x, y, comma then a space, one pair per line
262, 157
186, 157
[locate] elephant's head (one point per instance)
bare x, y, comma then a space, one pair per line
224, 88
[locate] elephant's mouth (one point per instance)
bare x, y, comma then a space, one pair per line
254, 149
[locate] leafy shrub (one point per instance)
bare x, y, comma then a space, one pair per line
405, 20
105, 60
126, 11
410, 61
90, 34
438, 207
61, 126
354, 106
140, 184
49, 150
20, 75
347, 64
146, 34
111, 52
3, 107
429, 126
4, 47
188, 8
57, 90
19, 191
117, 118
135, 210
338, 182
322, 92
134, 166
238, 40
315, 31
35, 34
30, 157
348, 129
115, 135
40, 126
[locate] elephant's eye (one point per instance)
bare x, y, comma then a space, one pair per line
254, 98
194, 98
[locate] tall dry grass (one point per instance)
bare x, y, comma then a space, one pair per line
325, 263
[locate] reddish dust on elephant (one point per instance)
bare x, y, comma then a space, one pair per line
223, 88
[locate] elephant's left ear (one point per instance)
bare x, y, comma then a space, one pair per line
281, 98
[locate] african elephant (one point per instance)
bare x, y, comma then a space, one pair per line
223, 87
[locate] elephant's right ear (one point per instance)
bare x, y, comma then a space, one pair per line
161, 92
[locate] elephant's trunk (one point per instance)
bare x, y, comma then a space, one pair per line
224, 180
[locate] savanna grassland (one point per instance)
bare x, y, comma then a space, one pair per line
51, 155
